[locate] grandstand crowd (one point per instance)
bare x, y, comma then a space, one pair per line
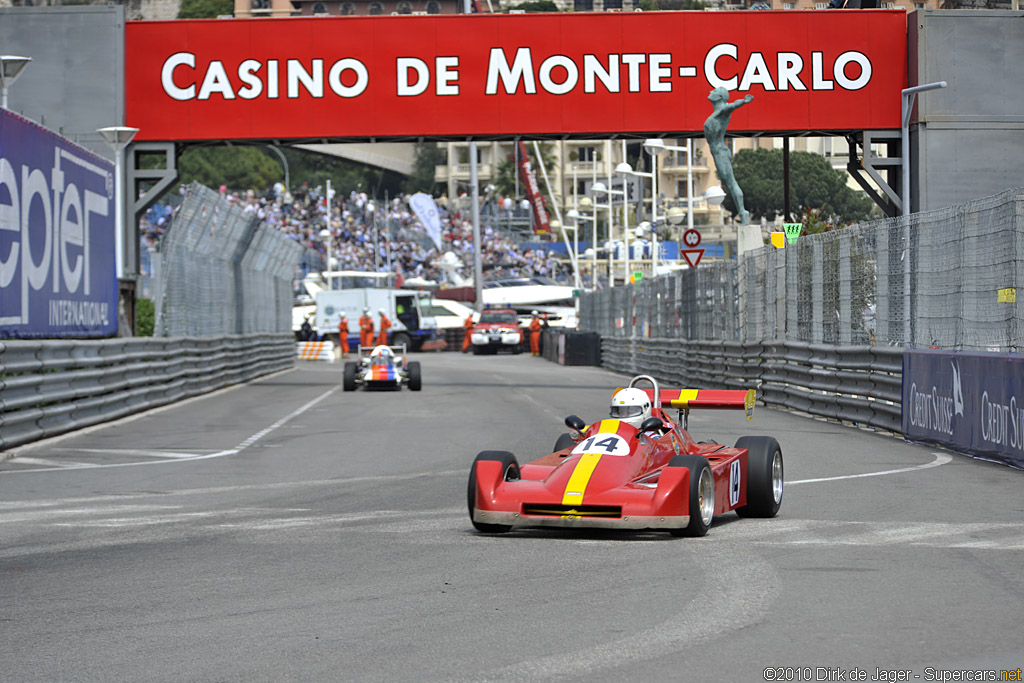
369, 235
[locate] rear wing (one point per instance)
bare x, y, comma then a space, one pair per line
706, 399
397, 350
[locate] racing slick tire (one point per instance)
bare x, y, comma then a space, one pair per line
511, 469
477, 350
399, 338
349, 380
764, 476
415, 378
702, 494
564, 441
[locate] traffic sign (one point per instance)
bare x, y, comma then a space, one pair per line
692, 256
792, 231
691, 238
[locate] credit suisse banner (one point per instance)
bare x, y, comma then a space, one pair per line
504, 75
57, 274
967, 401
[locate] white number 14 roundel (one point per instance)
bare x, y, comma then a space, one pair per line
603, 444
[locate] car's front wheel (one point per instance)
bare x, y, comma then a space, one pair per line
510, 472
701, 508
349, 381
415, 378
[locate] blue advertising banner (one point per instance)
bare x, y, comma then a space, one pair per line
57, 266
967, 401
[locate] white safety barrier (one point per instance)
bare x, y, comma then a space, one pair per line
320, 350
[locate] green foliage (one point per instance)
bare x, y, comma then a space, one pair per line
205, 9
505, 180
537, 6
814, 184
240, 168
258, 168
655, 5
145, 317
428, 155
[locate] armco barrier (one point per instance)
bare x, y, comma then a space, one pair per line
52, 387
858, 384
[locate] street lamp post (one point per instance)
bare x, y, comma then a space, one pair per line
599, 188
11, 67
907, 100
284, 161
625, 169
118, 138
325, 235
371, 208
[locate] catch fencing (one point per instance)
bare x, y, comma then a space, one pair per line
953, 287
52, 387
219, 271
856, 384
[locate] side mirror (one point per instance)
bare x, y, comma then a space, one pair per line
651, 424
577, 423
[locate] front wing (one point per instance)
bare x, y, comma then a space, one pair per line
533, 503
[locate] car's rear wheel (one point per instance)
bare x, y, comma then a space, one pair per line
415, 379
764, 476
510, 472
349, 380
400, 338
702, 494
564, 441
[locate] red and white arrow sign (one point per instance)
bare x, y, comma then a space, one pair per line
692, 256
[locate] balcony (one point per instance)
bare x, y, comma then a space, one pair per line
443, 172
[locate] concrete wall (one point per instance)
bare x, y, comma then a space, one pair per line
74, 83
969, 139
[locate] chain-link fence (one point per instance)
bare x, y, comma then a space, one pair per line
955, 287
220, 272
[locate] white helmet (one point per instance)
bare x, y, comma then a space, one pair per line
631, 406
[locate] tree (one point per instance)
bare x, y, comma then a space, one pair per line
814, 184
655, 5
240, 168
507, 172
428, 156
537, 6
205, 9
257, 168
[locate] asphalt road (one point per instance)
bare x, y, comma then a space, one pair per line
288, 531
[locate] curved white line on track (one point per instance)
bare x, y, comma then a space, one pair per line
940, 459
219, 454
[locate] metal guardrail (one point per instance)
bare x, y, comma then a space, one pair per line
51, 387
857, 384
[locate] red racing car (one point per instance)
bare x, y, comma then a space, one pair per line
638, 470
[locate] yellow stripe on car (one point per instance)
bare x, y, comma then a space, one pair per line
577, 485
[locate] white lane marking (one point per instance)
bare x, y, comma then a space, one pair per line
127, 452
231, 451
57, 464
46, 503
149, 412
940, 459
979, 535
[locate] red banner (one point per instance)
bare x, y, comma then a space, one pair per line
498, 75
533, 193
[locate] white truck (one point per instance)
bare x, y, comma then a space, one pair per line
409, 326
